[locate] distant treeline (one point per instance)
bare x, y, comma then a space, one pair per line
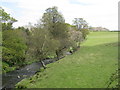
115, 31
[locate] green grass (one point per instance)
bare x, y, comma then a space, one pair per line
6, 68
89, 67
0, 53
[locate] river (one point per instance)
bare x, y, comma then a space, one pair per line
11, 78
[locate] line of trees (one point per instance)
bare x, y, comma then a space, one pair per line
50, 37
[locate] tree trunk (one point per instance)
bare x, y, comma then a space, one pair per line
43, 64
57, 53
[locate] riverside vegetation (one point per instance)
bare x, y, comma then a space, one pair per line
94, 62
90, 67
49, 38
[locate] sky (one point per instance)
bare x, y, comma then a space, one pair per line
97, 13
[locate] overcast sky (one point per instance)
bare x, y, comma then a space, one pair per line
96, 12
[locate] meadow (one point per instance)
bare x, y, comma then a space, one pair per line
89, 67
0, 52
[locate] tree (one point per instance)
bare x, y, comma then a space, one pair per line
80, 23
85, 32
54, 22
14, 46
41, 44
81, 26
50, 17
6, 20
75, 38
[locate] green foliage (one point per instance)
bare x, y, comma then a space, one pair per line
42, 69
41, 44
5, 17
7, 26
81, 26
113, 80
51, 16
25, 30
6, 67
85, 32
75, 38
21, 87
60, 31
6, 20
53, 21
14, 47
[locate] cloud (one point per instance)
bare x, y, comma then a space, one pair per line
80, 3
95, 12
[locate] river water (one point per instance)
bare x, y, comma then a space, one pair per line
11, 78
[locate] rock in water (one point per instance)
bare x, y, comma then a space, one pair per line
18, 76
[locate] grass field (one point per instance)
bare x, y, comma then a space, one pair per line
0, 52
89, 67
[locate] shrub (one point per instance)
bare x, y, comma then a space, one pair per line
85, 32
14, 47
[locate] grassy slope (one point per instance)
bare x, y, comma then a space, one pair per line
89, 67
0, 52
